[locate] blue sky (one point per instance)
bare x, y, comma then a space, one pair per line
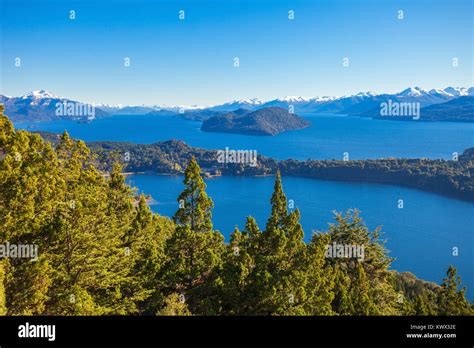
191, 61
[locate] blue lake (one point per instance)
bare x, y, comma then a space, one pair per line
420, 236
327, 138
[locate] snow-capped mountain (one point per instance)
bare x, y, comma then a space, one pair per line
250, 103
40, 95
299, 104
459, 91
365, 101
42, 105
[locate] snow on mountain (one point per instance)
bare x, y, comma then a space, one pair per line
457, 91
361, 95
40, 103
294, 99
413, 92
365, 101
41, 94
248, 103
452, 92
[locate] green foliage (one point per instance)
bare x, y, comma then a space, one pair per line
103, 252
452, 178
451, 300
3, 299
174, 305
194, 251
194, 204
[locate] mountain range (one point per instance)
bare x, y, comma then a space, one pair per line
42, 105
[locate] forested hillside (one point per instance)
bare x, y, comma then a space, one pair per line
102, 251
453, 178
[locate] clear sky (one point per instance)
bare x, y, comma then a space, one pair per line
191, 61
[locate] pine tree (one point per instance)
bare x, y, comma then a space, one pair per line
194, 204
120, 202
359, 293
351, 231
145, 244
321, 278
279, 278
239, 260
29, 187
194, 251
89, 265
342, 302
452, 301
278, 202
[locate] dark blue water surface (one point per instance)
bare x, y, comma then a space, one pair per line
327, 138
421, 236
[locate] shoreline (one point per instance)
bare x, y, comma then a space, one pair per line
353, 181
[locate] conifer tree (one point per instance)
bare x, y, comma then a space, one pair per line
350, 230
29, 187
451, 300
278, 202
321, 278
239, 260
194, 251
145, 244
194, 204
279, 278
342, 301
120, 202
359, 293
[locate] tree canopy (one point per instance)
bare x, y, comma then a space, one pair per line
102, 251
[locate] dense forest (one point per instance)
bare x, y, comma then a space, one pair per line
453, 178
103, 252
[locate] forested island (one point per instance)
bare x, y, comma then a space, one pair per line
102, 254
453, 178
266, 121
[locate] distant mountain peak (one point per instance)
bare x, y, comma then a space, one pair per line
294, 99
40, 94
348, 104
366, 94
249, 101
413, 92
457, 91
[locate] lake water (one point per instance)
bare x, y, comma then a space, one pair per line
421, 236
327, 138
